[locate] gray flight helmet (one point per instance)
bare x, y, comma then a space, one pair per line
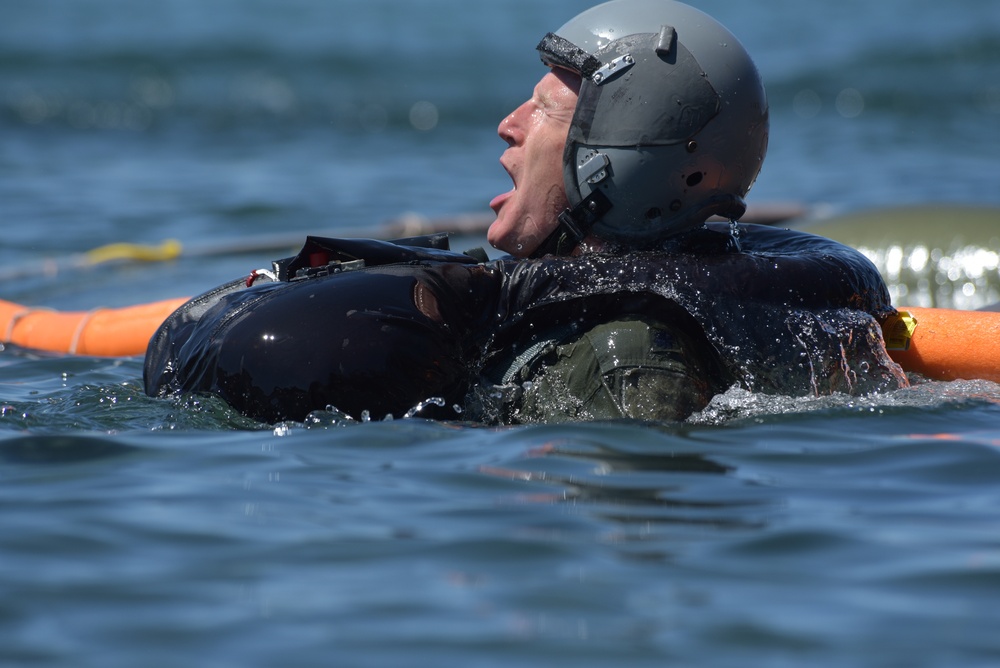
671, 125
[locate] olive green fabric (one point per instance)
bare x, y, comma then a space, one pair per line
628, 368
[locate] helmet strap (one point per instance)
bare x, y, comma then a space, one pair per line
574, 225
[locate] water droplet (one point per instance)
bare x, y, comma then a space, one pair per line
432, 401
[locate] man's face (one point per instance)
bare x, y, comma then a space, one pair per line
536, 135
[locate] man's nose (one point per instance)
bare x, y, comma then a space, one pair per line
511, 127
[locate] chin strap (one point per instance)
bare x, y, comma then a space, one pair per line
574, 225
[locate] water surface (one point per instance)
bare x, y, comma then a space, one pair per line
764, 531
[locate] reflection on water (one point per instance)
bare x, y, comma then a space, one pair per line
962, 277
930, 256
649, 502
61, 449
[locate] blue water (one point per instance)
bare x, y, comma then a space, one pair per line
764, 531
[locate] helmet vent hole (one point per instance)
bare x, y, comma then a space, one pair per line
694, 179
654, 213
675, 205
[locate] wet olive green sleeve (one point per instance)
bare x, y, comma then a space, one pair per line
629, 368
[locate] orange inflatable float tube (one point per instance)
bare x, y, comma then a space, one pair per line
946, 344
109, 332
940, 344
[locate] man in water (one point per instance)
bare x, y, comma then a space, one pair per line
619, 302
634, 366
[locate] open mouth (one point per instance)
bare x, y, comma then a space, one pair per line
499, 200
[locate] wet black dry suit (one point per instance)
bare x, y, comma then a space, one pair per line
646, 334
